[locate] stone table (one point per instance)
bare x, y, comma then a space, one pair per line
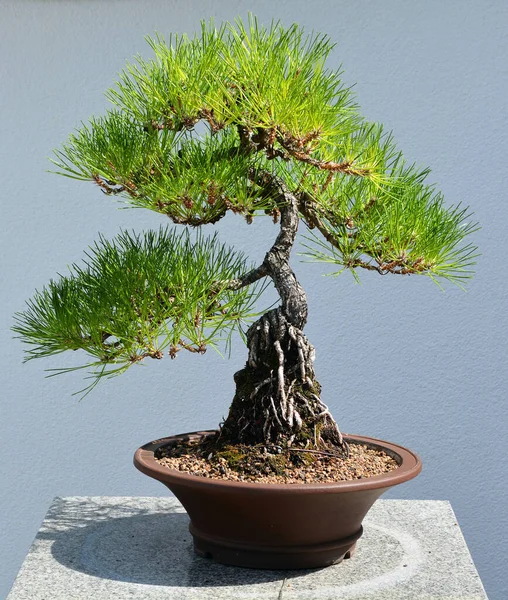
107, 548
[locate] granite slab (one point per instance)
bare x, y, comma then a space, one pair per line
106, 548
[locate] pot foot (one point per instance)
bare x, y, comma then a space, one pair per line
351, 552
202, 553
274, 557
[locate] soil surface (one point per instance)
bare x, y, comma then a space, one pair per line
261, 464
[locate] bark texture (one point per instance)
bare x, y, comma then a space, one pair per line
277, 398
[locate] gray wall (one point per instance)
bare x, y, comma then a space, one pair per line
397, 357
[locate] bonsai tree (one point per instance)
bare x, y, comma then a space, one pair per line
248, 120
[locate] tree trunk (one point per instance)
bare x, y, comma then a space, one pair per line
277, 398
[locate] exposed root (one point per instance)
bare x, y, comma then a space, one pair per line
277, 399
280, 372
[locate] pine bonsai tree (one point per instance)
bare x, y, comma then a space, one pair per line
244, 119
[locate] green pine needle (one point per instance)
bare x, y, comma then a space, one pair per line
399, 226
137, 297
189, 134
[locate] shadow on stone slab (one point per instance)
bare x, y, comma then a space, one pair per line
153, 549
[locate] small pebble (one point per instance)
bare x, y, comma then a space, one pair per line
362, 462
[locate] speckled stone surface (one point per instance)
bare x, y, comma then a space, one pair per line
106, 548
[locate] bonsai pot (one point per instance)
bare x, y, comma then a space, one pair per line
276, 526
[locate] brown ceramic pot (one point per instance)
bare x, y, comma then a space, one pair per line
276, 526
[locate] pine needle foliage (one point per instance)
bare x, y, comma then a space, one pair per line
139, 296
239, 74
192, 134
393, 223
192, 181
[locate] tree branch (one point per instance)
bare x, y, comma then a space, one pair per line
248, 278
310, 214
397, 267
276, 261
298, 152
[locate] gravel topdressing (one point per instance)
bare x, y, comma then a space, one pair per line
258, 465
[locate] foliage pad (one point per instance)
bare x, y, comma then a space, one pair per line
138, 296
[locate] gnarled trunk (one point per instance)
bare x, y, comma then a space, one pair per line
277, 398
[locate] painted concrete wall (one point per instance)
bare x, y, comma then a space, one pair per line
397, 357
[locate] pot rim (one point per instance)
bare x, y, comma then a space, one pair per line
409, 467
